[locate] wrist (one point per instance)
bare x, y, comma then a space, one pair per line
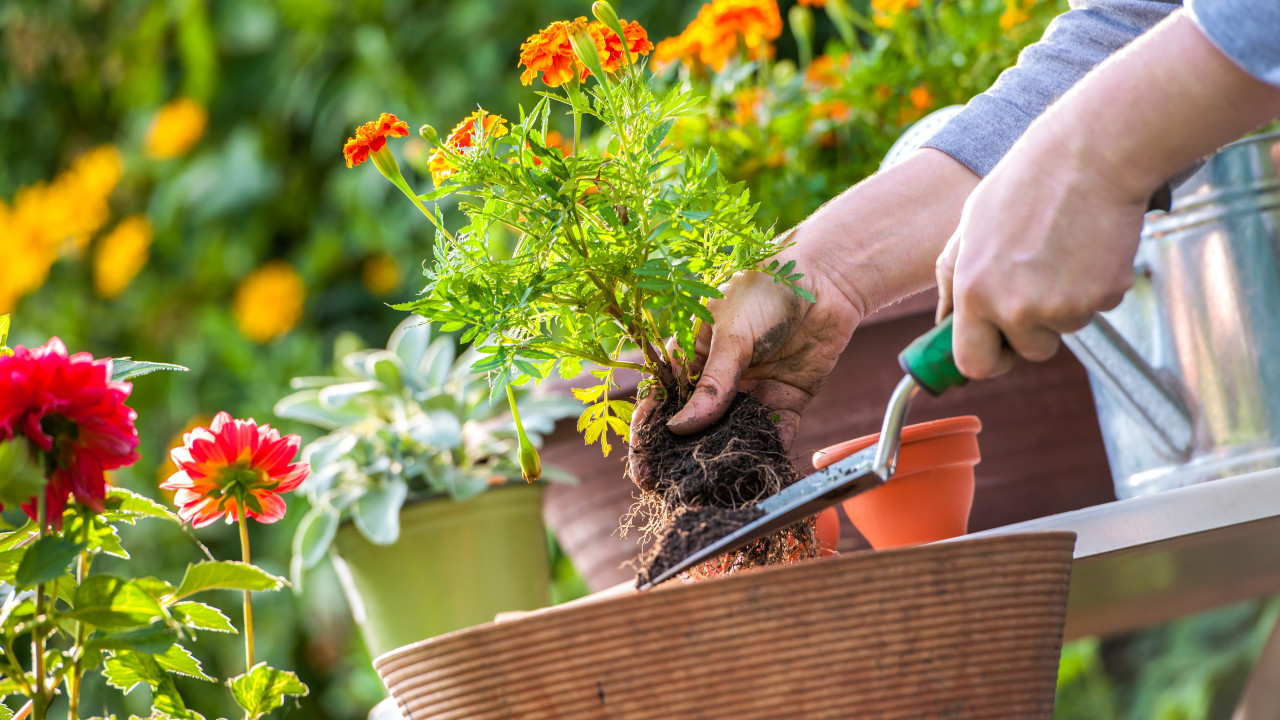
877, 242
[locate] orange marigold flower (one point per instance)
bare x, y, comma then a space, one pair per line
371, 136
825, 71
234, 463
887, 11
921, 98
549, 52
463, 138
720, 28
1012, 17
612, 58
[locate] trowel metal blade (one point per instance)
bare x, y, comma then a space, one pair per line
822, 489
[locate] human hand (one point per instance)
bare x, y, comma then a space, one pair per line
1042, 245
873, 245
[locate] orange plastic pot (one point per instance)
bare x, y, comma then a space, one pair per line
931, 493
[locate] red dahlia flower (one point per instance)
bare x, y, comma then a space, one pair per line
75, 418
233, 462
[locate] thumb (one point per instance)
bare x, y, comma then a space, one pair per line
728, 357
945, 272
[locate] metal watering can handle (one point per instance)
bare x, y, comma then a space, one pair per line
1106, 356
1134, 384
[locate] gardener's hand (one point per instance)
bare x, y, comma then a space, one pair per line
1036, 255
872, 246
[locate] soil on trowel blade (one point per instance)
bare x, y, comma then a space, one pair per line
699, 488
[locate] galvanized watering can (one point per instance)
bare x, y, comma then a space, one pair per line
1183, 371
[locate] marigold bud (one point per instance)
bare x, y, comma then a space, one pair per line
530, 463
428, 133
584, 47
801, 19
605, 14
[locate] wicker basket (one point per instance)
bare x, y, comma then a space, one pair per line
969, 629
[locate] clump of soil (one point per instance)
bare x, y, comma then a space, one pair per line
698, 488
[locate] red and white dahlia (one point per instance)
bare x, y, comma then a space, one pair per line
233, 462
75, 418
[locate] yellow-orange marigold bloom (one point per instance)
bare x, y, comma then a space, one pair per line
825, 71
463, 138
555, 140
175, 129
887, 11
121, 255
269, 302
371, 136
1012, 17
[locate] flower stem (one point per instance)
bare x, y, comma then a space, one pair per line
40, 706
73, 680
248, 598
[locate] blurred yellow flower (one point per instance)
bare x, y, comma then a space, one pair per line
121, 254
47, 219
175, 128
381, 274
887, 11
1014, 15
269, 302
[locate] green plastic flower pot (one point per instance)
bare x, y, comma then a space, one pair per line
456, 564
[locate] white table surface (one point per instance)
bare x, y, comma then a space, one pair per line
1148, 560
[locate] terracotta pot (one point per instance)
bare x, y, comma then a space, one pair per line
827, 531
931, 492
968, 629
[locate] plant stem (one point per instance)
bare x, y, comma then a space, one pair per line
248, 597
73, 680
41, 702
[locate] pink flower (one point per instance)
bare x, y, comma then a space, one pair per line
230, 462
75, 418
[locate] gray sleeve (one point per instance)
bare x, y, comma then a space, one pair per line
1073, 44
1246, 31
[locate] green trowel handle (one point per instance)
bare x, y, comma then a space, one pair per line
929, 360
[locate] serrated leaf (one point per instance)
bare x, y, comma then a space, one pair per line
178, 659
125, 368
111, 602
126, 670
199, 616
46, 560
225, 575
264, 689
126, 502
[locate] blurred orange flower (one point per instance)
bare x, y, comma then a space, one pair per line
121, 255
371, 136
721, 28
814, 3
921, 98
825, 71
463, 138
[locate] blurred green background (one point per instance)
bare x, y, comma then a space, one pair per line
244, 172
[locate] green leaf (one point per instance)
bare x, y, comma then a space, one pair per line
126, 670
4, 331
122, 503
178, 659
264, 689
225, 575
201, 617
315, 534
5, 712
46, 560
126, 368
21, 477
377, 512
111, 602
150, 640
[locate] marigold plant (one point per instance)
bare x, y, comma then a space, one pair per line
593, 258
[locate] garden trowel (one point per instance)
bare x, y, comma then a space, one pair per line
928, 364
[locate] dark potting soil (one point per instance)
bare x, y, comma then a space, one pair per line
698, 488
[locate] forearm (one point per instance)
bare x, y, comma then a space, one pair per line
878, 240
1168, 100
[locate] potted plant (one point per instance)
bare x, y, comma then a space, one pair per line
443, 532
565, 259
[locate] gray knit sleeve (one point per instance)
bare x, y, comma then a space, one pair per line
1246, 31
1073, 44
